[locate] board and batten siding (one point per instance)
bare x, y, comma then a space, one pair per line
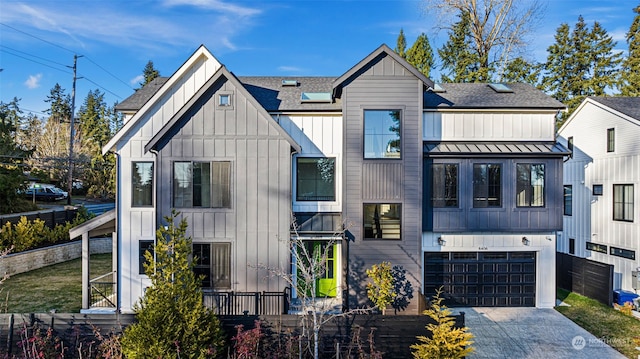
384, 84
488, 126
258, 222
591, 164
139, 223
319, 135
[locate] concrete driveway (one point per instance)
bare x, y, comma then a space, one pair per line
531, 333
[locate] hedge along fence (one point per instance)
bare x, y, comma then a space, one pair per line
22, 262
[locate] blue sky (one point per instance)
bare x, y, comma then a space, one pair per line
38, 38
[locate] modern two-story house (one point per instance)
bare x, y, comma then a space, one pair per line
460, 184
601, 181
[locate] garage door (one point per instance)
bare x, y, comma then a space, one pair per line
485, 279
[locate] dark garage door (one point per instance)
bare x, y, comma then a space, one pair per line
483, 279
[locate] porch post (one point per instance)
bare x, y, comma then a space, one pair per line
86, 295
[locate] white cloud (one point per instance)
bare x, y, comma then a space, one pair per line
136, 80
290, 69
33, 82
216, 5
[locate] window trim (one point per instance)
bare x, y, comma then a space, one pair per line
134, 187
297, 183
624, 216
572, 245
622, 253
382, 233
442, 203
530, 185
150, 243
570, 145
500, 186
229, 104
596, 247
611, 140
227, 285
597, 190
568, 212
212, 183
400, 111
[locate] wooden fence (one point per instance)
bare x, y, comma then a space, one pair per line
50, 217
586, 277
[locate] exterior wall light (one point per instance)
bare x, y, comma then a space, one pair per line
525, 241
441, 241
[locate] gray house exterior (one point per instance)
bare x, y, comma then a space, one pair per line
356, 161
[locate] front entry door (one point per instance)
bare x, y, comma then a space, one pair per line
326, 281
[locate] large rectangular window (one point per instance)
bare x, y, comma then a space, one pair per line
568, 200
597, 247
382, 221
487, 185
623, 202
382, 137
621, 252
444, 185
142, 184
144, 246
315, 180
611, 139
529, 185
213, 264
202, 184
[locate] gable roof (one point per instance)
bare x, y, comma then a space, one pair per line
182, 71
629, 106
141, 96
273, 96
482, 96
221, 74
382, 50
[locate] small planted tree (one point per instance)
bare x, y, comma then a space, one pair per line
172, 321
446, 342
389, 286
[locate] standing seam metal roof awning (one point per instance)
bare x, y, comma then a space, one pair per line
511, 149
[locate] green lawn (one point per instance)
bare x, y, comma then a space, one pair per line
56, 287
608, 324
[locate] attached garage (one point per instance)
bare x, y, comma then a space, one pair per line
484, 279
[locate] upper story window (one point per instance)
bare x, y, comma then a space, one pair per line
568, 200
487, 185
570, 144
382, 134
530, 185
142, 184
597, 190
623, 202
202, 184
225, 100
315, 180
444, 185
611, 139
382, 220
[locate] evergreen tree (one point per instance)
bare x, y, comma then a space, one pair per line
60, 108
401, 45
459, 63
556, 80
149, 73
604, 62
172, 321
12, 158
420, 55
631, 65
520, 70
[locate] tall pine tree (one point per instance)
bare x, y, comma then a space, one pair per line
149, 73
12, 158
631, 66
420, 55
459, 63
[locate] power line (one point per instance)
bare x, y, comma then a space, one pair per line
38, 38
37, 62
28, 54
112, 75
118, 96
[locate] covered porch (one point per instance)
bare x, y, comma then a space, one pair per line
98, 294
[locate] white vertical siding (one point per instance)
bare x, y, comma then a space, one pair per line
317, 135
488, 126
591, 164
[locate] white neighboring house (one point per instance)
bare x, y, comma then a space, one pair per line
602, 184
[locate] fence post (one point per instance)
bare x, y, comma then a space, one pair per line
256, 306
10, 336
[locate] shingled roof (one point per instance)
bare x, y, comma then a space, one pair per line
482, 96
273, 96
141, 96
629, 106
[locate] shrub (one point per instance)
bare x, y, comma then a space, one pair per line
389, 286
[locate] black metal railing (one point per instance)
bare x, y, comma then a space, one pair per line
103, 290
248, 303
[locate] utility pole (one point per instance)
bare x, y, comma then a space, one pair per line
72, 130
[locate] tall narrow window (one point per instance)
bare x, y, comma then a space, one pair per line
572, 246
487, 185
143, 247
529, 185
444, 185
202, 184
382, 221
611, 139
623, 202
142, 184
570, 145
213, 264
568, 200
316, 179
382, 137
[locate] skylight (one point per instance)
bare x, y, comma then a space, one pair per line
500, 88
315, 97
289, 82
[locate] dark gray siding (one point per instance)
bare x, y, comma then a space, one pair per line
383, 84
259, 217
508, 217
